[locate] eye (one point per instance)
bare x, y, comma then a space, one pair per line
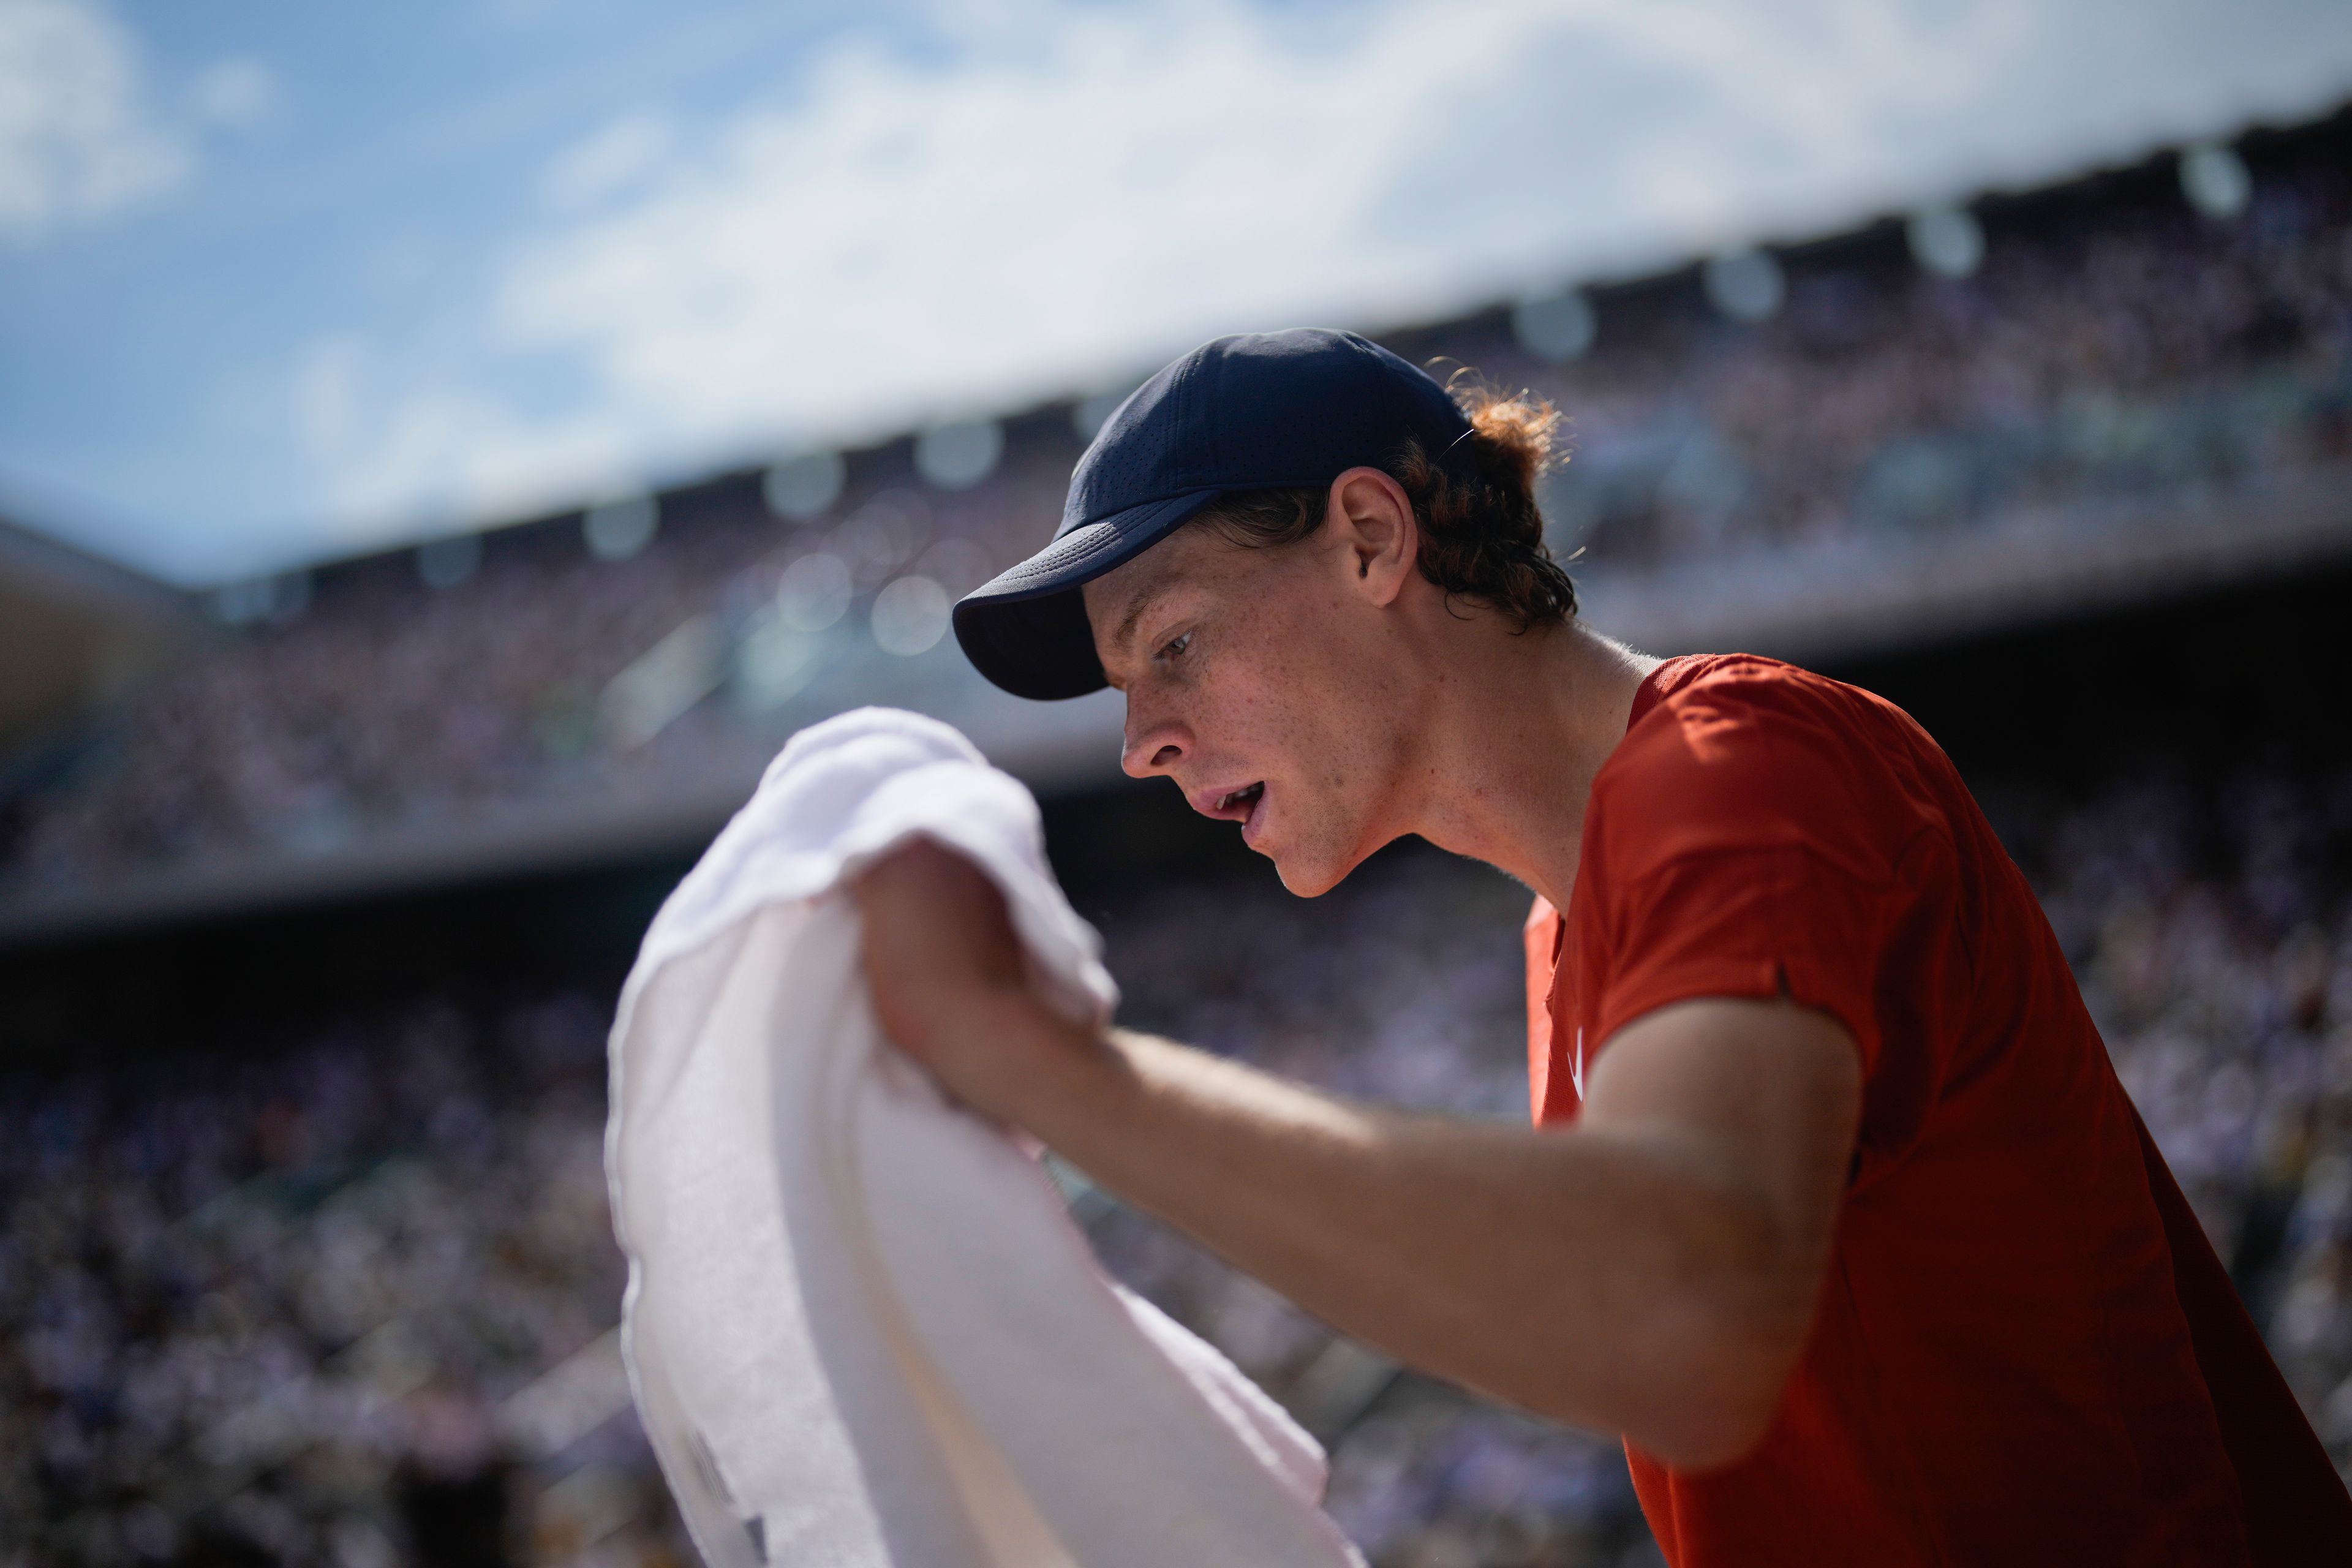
1175, 645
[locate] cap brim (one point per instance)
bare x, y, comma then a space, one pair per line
1027, 630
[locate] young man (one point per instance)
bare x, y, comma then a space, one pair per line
1834, 1208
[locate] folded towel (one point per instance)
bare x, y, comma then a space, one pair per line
861, 1327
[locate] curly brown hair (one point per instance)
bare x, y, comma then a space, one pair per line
1482, 534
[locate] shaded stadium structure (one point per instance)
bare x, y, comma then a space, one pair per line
309, 936
2124, 397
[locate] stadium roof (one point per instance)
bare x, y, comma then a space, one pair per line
284, 292
74, 630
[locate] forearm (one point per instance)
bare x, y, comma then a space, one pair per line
1611, 1281
1651, 1272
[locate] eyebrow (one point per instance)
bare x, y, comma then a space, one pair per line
1143, 601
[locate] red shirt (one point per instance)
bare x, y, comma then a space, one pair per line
2026, 1351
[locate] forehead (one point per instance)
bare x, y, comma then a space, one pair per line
1186, 557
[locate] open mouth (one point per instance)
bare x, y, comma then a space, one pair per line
1244, 804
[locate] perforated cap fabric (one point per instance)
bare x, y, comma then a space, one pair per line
1256, 411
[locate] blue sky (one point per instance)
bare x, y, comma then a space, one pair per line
281, 281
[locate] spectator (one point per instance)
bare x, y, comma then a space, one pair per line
2110, 351
280, 1309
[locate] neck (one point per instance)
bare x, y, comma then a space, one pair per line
1518, 727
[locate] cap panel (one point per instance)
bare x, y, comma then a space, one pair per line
1200, 468
1255, 411
1143, 451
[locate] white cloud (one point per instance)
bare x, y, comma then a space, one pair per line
453, 455
234, 92
609, 163
1063, 193
78, 137
327, 392
436, 453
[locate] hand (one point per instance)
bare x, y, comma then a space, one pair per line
948, 981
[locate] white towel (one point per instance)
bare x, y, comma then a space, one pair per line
861, 1327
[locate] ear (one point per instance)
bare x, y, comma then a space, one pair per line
1373, 536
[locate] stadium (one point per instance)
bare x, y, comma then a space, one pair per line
318, 887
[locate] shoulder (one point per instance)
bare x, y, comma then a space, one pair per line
1739, 717
1738, 750
1717, 693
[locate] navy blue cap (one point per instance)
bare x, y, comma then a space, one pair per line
1261, 411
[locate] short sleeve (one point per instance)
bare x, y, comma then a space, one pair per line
1762, 922
1755, 836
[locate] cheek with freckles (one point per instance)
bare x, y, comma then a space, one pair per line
1293, 685
1291, 709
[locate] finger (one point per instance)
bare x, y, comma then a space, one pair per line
925, 891
890, 869
918, 880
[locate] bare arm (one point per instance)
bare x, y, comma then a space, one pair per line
1652, 1271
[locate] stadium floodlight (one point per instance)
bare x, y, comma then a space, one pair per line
2215, 180
773, 661
1554, 328
959, 456
1704, 480
909, 616
1744, 284
240, 604
277, 600
882, 535
956, 564
814, 592
618, 530
1947, 241
801, 488
445, 562
662, 683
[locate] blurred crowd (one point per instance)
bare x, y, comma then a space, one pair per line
2091, 358
344, 1303
2212, 932
2089, 349
2210, 925
349, 1302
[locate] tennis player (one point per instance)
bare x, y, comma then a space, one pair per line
1832, 1208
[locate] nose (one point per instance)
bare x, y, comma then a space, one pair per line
1153, 745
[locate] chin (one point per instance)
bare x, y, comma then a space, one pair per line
1307, 876
1310, 865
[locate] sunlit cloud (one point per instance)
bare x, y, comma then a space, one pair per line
234, 92
1052, 196
622, 155
80, 135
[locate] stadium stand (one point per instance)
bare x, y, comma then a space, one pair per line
264, 1308
75, 632
334, 1283
2123, 394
